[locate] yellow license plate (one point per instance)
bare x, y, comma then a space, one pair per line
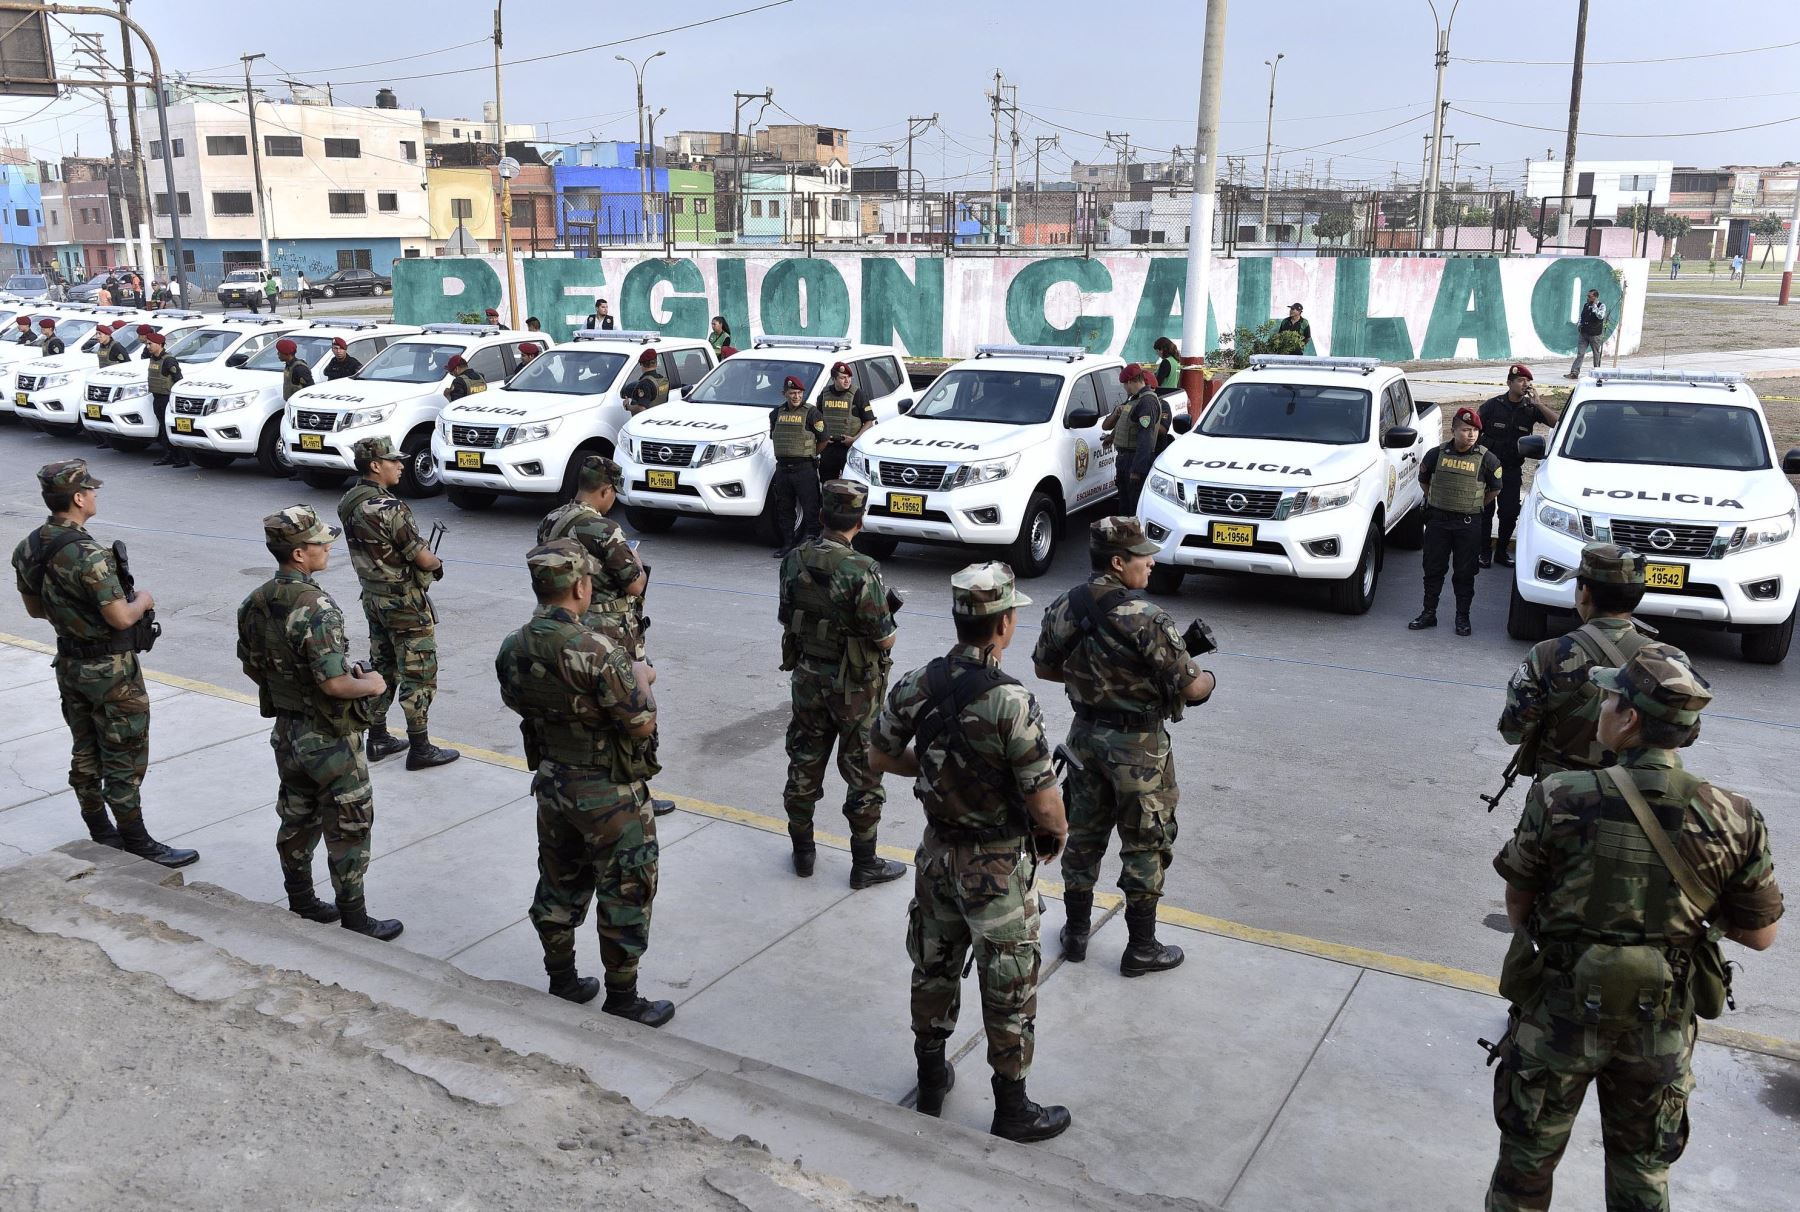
93, 412
468, 460
1665, 576
910, 504
312, 441
19, 397
662, 479
184, 425
1233, 534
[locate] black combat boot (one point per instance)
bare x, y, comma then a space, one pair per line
1463, 626
1017, 1118
625, 1003
382, 743
423, 754
661, 807
936, 1077
1143, 953
356, 917
102, 830
1078, 908
1427, 619
134, 839
806, 855
564, 983
303, 902
868, 869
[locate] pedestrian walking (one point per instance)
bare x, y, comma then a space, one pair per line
1460, 480
272, 291
301, 289
1737, 266
1674, 266
1506, 418
1590, 333
719, 337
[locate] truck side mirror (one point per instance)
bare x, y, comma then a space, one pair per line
1533, 447
237, 359
1181, 423
1790, 462
1400, 437
904, 407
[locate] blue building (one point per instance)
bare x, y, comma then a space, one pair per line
606, 205
21, 217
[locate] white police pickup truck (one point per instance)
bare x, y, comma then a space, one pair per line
999, 452
398, 395
531, 435
75, 322
708, 454
1300, 467
1679, 466
235, 413
47, 393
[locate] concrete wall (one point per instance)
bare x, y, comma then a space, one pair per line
1397, 309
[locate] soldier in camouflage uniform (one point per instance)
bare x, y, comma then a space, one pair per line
65, 577
837, 630
395, 566
1552, 706
586, 716
1122, 662
621, 579
291, 643
1610, 963
972, 738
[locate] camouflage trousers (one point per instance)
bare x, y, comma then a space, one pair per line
407, 659
980, 895
325, 793
596, 842
824, 716
1127, 784
108, 713
1644, 1076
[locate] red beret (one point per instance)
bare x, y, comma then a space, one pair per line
840, 368
148, 333
530, 347
647, 358
1130, 371
46, 322
1519, 370
493, 313
24, 321
1467, 416
457, 362
338, 343
285, 346
793, 384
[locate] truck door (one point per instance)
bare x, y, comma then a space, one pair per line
1403, 465
1085, 473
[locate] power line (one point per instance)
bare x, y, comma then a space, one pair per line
1595, 134
1748, 50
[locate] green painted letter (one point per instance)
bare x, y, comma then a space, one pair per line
1557, 297
423, 294
827, 299
1354, 332
734, 300
686, 314
912, 307
553, 287
1025, 317
1469, 304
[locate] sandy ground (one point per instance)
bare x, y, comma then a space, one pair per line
121, 1094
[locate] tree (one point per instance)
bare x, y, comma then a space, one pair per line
1333, 226
1478, 216
1235, 348
1771, 228
1671, 228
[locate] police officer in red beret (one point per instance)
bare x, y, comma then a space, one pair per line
1504, 420
53, 344
341, 365
1460, 480
847, 417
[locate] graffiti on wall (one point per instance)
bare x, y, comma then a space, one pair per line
1395, 309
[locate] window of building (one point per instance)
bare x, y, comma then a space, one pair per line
456, 132
187, 260
227, 145
22, 218
162, 203
677, 204
349, 203
343, 149
353, 258
156, 148
756, 208
826, 138
774, 209
409, 149
387, 202
283, 145
840, 208
1637, 183
702, 205
240, 260
411, 252
462, 208
232, 202
53, 219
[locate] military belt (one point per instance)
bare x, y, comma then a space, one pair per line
962, 835
1455, 519
1123, 721
797, 461
94, 650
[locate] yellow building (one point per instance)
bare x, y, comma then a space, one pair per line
461, 196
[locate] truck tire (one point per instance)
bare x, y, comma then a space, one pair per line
1768, 645
1526, 620
321, 478
1166, 581
1356, 592
1409, 534
271, 451
571, 479
877, 546
649, 521
471, 499
1032, 553
420, 477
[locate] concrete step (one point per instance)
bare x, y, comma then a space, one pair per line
129, 907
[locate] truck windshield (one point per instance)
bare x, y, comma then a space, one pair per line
994, 397
307, 349
1659, 434
753, 381
410, 362
1289, 412
203, 344
569, 372
72, 331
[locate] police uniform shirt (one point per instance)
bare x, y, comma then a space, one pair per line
807, 417
341, 368
1504, 422
53, 346
1484, 463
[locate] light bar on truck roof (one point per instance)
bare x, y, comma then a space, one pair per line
464, 330
831, 344
116, 311
251, 317
627, 336
176, 313
1054, 353
354, 323
1361, 366
1727, 379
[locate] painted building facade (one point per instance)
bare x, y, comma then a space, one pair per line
21, 218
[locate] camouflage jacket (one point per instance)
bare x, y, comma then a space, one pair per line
833, 610
76, 583
606, 542
1574, 819
291, 642
384, 540
1003, 729
1135, 664
575, 693
1551, 694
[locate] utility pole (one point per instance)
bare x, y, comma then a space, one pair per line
505, 170
262, 199
1268, 142
1012, 196
1039, 143
89, 46
1428, 213
1793, 244
914, 126
138, 224
1568, 181
644, 156
738, 101
994, 172
1200, 219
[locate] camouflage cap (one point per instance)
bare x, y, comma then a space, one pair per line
1120, 536
598, 471
1612, 564
843, 496
982, 589
66, 475
295, 525
558, 565
367, 450
1659, 681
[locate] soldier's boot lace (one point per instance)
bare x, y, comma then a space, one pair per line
936, 1077
355, 916
806, 855
1463, 626
564, 983
1079, 907
102, 830
135, 839
1143, 954
382, 743
868, 868
303, 902
1017, 1118
422, 754
625, 1003
1427, 618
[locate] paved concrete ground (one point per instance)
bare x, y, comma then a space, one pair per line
1470, 381
1255, 1076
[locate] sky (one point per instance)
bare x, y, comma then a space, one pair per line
1353, 90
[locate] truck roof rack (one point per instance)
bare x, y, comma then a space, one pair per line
1054, 353
1726, 379
115, 311
251, 317
176, 313
830, 344
627, 336
354, 323
464, 330
1361, 366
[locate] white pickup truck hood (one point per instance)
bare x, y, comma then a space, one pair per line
922, 439
123, 375
680, 421
346, 395
60, 364
504, 407
1258, 463
229, 381
1673, 494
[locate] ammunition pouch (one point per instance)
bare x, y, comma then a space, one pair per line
534, 753
1614, 987
790, 651
1522, 973
1709, 977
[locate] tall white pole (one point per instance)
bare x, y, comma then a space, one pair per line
1268, 143
1206, 158
1428, 219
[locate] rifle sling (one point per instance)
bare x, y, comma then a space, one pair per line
1678, 867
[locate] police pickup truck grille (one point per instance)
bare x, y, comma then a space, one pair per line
27, 382
322, 422
1665, 538
926, 477
99, 394
1235, 502
669, 454
475, 435
193, 406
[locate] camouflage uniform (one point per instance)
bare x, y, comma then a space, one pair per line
1600, 893
575, 692
614, 612
1551, 698
834, 613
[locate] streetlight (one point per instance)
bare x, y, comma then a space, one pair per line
1269, 139
643, 166
1428, 234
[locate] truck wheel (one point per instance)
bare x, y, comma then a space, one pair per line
420, 477
1033, 551
1769, 645
877, 546
471, 499
271, 451
1166, 580
649, 521
571, 479
1409, 535
212, 460
321, 478
126, 445
1356, 592
1526, 620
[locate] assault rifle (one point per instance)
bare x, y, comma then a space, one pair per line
1524, 761
142, 633
432, 540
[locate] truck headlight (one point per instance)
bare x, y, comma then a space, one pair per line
131, 391
725, 452
365, 416
45, 381
629, 445
1327, 496
982, 473
1766, 533
1166, 487
859, 463
1562, 519
443, 431
233, 403
535, 432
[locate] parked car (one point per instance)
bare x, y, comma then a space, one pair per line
243, 287
89, 291
28, 286
348, 282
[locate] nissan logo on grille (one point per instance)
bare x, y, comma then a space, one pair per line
314, 420
1237, 502
665, 454
1662, 538
910, 476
